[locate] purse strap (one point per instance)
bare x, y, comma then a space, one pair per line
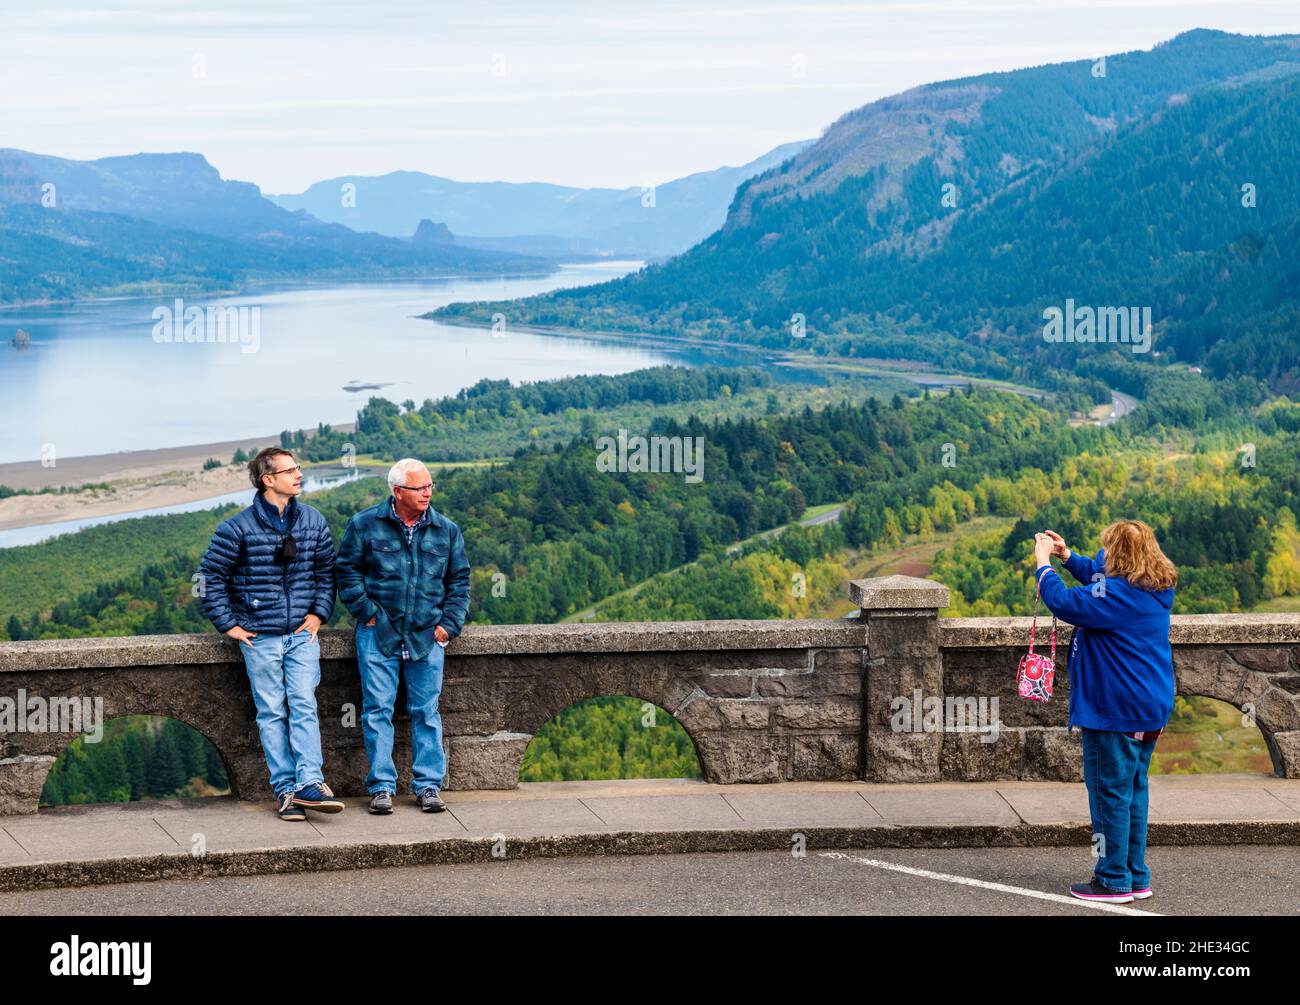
1033, 628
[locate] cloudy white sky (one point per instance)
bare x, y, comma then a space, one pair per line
601, 93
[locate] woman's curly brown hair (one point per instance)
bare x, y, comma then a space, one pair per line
1132, 552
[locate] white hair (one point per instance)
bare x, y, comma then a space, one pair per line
398, 472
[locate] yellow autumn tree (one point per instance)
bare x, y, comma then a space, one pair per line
1282, 571
893, 532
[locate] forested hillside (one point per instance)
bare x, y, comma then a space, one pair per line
494, 418
553, 533
939, 224
549, 534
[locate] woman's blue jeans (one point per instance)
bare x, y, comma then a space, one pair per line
379, 677
1115, 769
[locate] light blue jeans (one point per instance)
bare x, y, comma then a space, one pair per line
284, 671
1115, 770
379, 677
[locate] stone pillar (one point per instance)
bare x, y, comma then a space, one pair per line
901, 617
22, 779
486, 762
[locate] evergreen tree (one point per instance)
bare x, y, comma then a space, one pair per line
214, 772
137, 763
166, 770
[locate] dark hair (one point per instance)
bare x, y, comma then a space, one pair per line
264, 464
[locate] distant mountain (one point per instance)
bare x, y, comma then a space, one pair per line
429, 232
938, 224
537, 218
149, 221
173, 189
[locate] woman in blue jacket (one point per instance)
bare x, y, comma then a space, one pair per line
1121, 688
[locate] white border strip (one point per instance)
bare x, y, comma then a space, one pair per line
1055, 898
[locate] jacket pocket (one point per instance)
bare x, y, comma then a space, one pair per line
386, 556
433, 559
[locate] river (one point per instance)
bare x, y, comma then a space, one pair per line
95, 379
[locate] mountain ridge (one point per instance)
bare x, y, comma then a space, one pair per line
169, 221
491, 214
880, 262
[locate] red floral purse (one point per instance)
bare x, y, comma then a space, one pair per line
1036, 672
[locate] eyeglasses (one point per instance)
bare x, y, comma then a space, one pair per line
415, 488
286, 471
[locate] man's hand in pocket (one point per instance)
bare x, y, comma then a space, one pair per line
242, 635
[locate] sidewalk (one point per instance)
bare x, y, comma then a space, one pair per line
75, 846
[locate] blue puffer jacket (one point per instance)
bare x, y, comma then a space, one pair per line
409, 591
244, 585
1121, 665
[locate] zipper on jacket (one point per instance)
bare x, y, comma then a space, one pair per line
290, 518
288, 620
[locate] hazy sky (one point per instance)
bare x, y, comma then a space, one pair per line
602, 93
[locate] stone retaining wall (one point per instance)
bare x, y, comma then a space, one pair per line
763, 701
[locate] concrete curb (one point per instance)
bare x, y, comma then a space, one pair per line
448, 851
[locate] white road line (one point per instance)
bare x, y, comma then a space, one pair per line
1055, 898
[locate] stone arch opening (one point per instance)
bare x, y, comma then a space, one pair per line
133, 758
1209, 736
610, 737
1261, 683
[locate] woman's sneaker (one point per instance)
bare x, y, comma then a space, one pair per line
1092, 890
1143, 893
288, 811
317, 797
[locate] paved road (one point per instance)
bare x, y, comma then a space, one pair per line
830, 516
1121, 405
1249, 880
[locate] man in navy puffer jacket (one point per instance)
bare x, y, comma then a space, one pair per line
268, 582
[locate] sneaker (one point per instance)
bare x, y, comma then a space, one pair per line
1143, 893
381, 802
429, 801
1092, 890
288, 811
317, 797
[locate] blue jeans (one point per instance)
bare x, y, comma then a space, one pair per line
379, 677
284, 671
1115, 770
